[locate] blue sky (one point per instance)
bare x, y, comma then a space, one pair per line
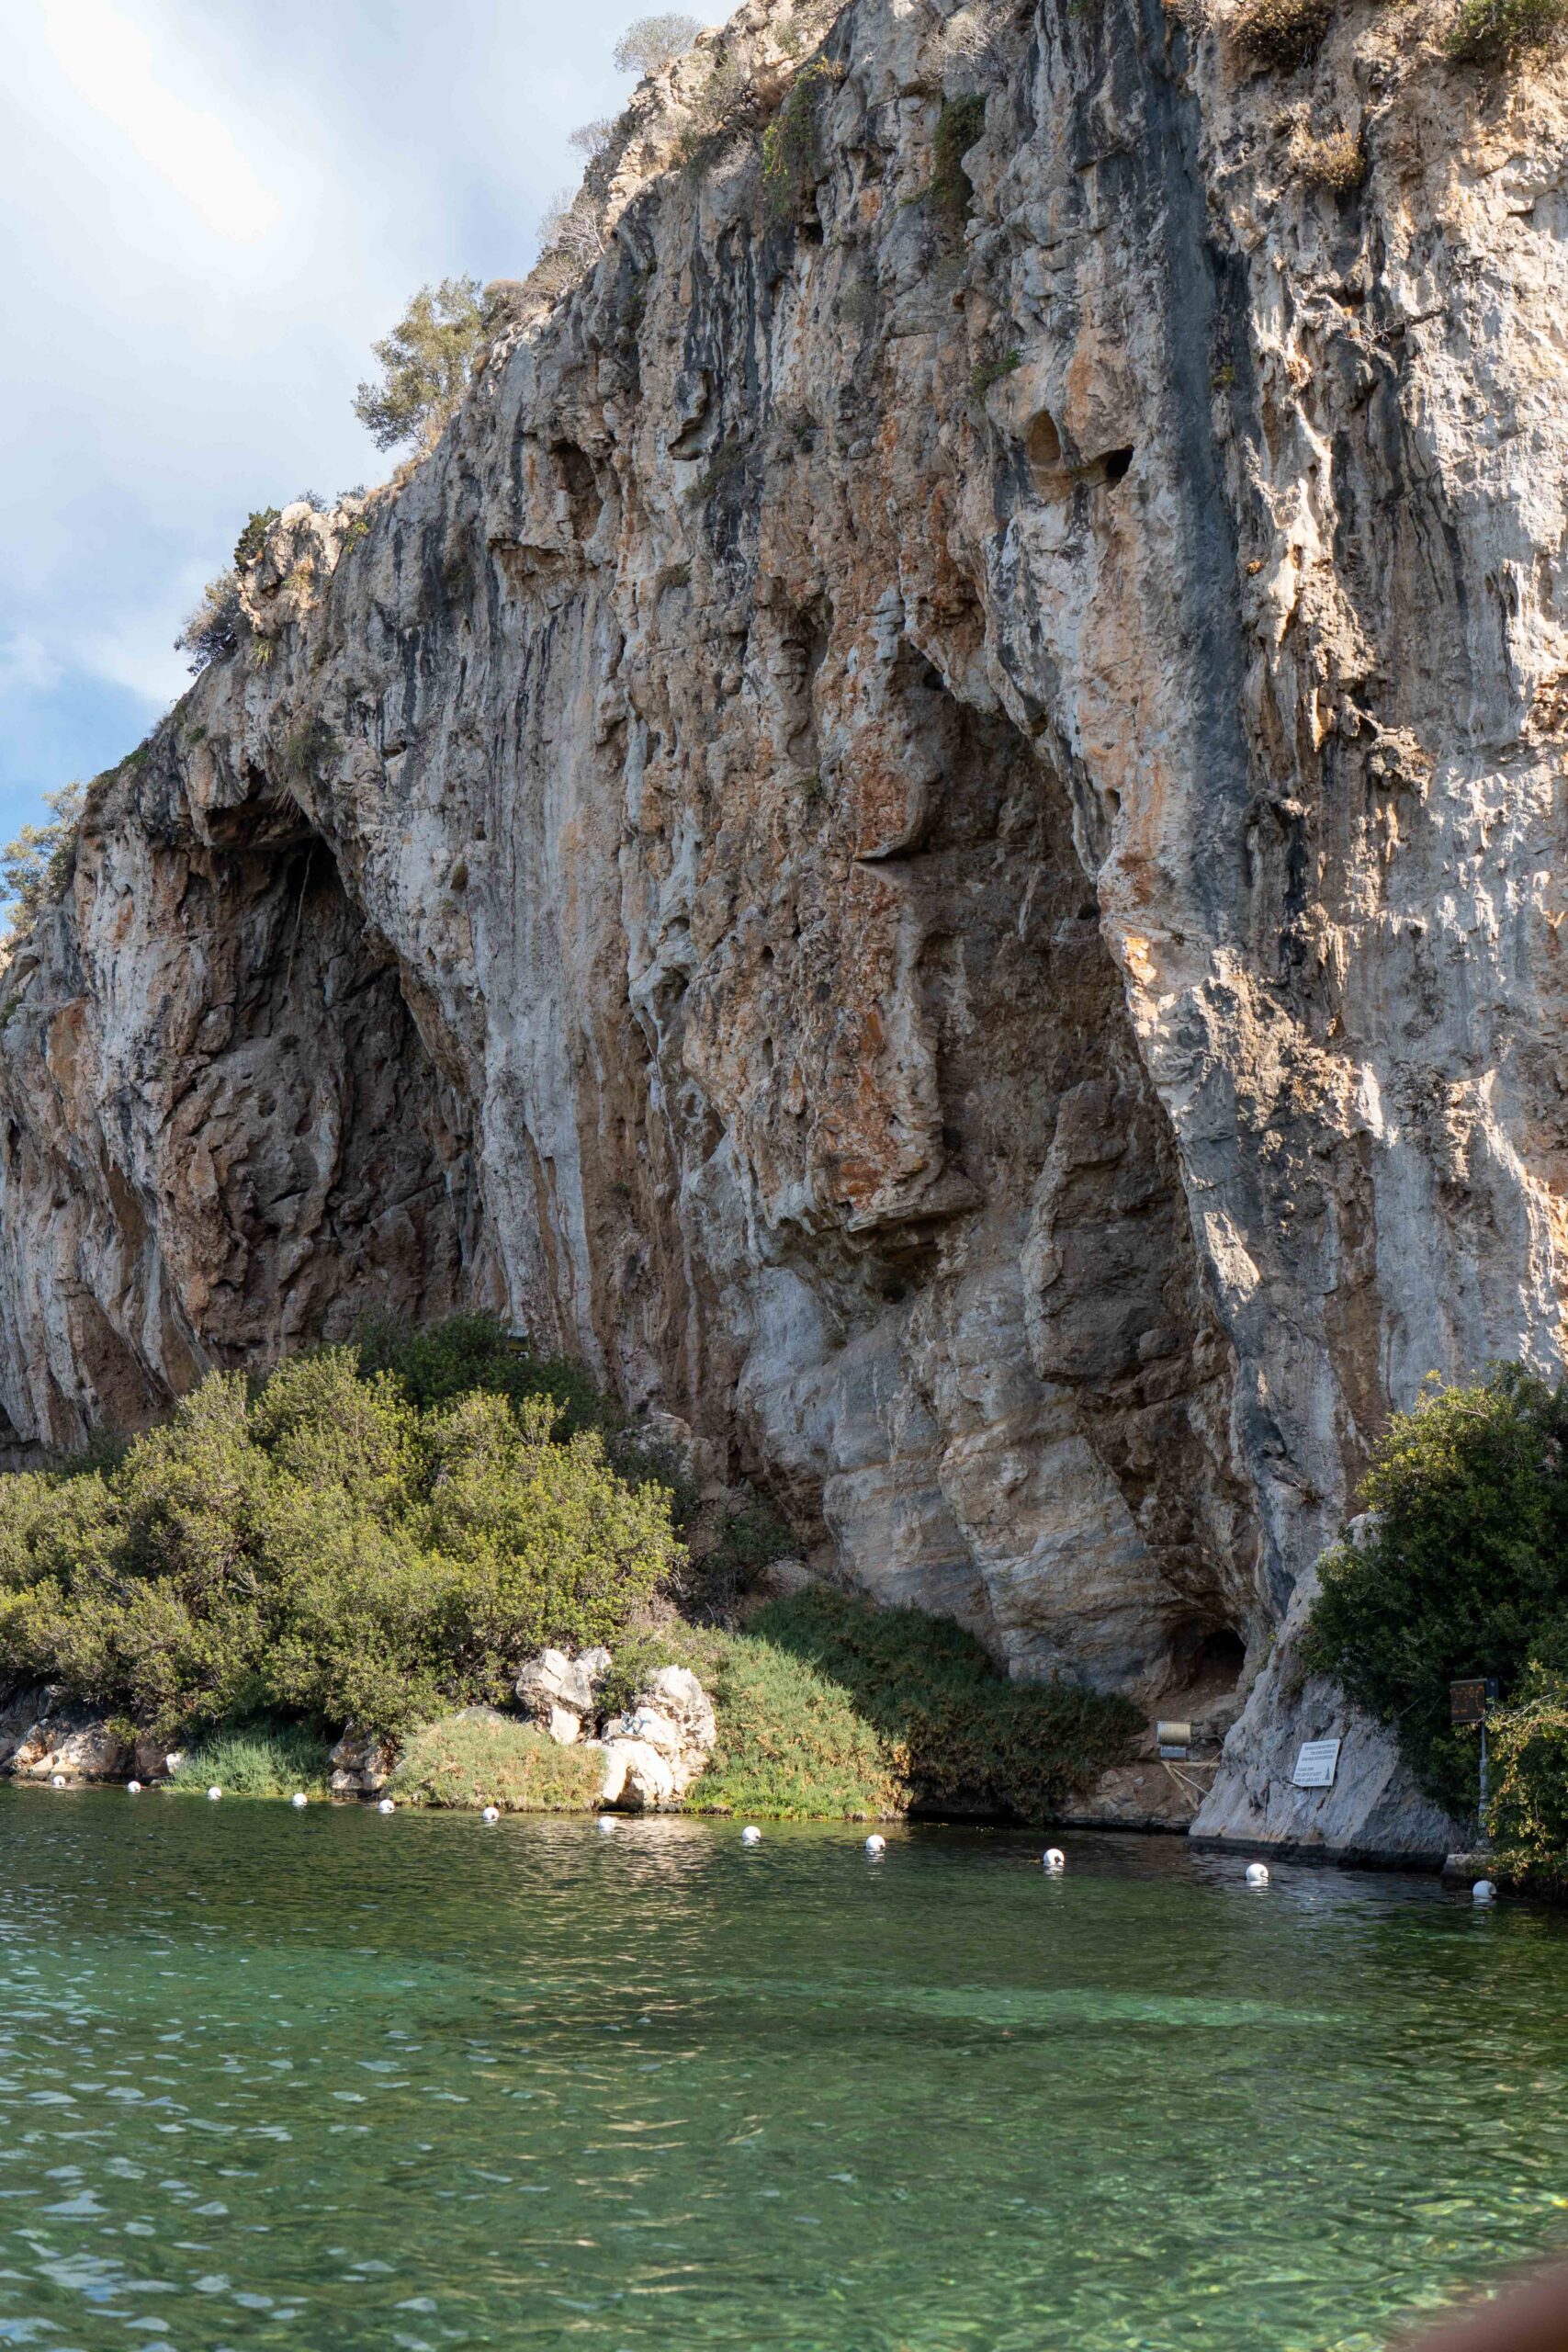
209, 214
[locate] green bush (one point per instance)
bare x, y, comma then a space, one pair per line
1466, 1572
325, 1548
1495, 32
479, 1758
37, 866
253, 538
259, 1760
959, 125
1530, 1781
438, 1362
426, 362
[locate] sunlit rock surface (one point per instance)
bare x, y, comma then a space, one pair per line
935, 840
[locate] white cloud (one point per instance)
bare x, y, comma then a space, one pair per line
26, 666
109, 62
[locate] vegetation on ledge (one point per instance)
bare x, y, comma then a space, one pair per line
1465, 1573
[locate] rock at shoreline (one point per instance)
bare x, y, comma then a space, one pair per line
360, 1764
556, 1692
654, 1752
42, 1735
1373, 1813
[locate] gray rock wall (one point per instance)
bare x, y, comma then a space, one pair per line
934, 838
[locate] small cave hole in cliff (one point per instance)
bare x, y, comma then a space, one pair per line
1206, 1660
1042, 446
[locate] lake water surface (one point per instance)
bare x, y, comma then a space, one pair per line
329, 2081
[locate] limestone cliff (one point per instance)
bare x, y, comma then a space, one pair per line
932, 832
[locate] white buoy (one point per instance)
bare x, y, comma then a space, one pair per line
386, 1806
57, 1780
298, 1799
172, 1763
492, 1813
751, 1835
605, 1824
134, 1788
876, 1843
214, 1794
1054, 1860
1484, 1890
1257, 1873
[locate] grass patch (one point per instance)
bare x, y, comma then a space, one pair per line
478, 1758
260, 1759
1495, 33
830, 1708
1334, 162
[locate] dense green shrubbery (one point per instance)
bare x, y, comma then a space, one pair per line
340, 1545
1465, 1573
828, 1707
1529, 1807
479, 1758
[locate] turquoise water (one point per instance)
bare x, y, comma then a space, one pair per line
330, 2081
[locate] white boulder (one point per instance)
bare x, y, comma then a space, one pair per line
556, 1692
654, 1752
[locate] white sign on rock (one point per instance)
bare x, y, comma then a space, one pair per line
1318, 1760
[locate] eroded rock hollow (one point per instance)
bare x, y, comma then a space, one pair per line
929, 832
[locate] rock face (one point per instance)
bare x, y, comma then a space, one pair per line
44, 1736
1374, 1812
932, 832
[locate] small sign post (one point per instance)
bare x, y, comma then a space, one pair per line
1318, 1760
1468, 1702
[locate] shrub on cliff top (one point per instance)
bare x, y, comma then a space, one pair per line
1495, 32
426, 362
1465, 1573
212, 631
649, 42
37, 866
323, 1548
